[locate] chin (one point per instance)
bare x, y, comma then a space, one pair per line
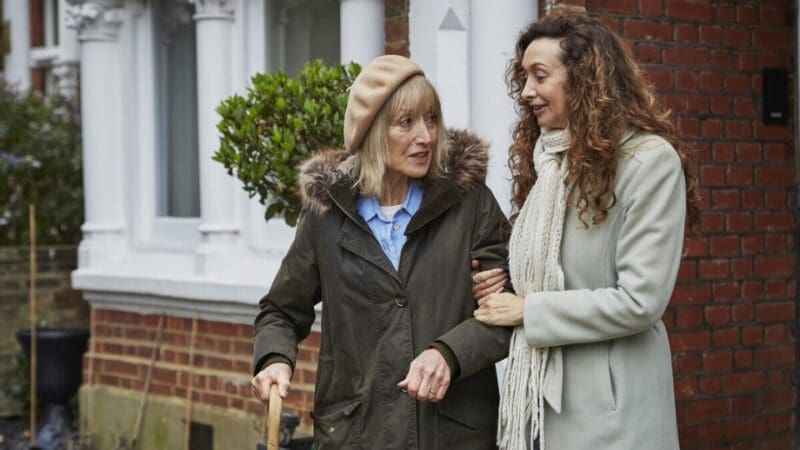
417, 173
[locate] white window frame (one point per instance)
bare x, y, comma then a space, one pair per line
151, 231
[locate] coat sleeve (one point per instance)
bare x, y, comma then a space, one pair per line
474, 344
287, 311
646, 262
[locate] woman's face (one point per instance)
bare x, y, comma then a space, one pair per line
411, 139
545, 82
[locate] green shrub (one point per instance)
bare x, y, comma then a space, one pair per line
15, 383
280, 123
40, 163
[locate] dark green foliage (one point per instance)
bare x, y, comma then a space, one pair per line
280, 124
40, 163
15, 383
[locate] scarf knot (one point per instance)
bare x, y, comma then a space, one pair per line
548, 155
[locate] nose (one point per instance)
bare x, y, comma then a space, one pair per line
529, 91
423, 133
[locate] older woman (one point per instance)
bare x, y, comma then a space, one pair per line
603, 192
391, 224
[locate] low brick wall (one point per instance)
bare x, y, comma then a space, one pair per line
122, 344
58, 305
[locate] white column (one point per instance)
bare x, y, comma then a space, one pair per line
494, 28
98, 23
65, 67
17, 65
255, 34
362, 36
219, 228
452, 78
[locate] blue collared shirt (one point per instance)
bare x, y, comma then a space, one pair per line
390, 233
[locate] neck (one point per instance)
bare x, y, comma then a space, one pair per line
395, 188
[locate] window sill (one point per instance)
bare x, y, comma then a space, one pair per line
154, 283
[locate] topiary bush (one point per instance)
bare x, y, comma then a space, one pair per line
279, 124
40, 163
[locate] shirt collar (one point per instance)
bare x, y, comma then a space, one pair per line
368, 207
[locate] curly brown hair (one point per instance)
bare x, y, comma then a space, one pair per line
606, 93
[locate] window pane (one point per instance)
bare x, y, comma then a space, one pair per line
303, 30
176, 70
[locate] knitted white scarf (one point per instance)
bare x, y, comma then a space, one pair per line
534, 266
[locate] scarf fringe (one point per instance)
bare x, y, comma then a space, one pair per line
534, 266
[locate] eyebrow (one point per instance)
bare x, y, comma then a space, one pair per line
538, 65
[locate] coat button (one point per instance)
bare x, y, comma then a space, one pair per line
400, 302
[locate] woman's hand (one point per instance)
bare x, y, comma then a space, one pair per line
428, 377
503, 309
277, 372
488, 281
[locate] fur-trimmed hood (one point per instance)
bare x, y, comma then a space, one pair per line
466, 160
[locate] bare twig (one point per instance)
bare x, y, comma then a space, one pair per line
187, 424
156, 351
32, 316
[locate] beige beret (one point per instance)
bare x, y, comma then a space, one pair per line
370, 90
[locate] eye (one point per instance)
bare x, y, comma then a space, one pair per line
431, 119
406, 121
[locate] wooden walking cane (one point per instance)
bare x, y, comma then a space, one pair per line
32, 316
274, 418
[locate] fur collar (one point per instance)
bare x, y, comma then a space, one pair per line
466, 160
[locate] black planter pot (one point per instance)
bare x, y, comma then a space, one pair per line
59, 362
59, 358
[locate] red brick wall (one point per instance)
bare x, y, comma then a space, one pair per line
122, 343
732, 315
396, 27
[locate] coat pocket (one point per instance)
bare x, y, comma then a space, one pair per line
338, 426
458, 415
462, 428
472, 402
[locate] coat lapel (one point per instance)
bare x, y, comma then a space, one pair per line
355, 235
438, 197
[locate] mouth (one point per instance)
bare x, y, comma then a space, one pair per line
538, 109
420, 156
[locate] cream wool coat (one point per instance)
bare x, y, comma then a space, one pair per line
610, 385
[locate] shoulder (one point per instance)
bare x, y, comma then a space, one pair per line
647, 163
646, 151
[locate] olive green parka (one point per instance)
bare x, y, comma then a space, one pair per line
376, 320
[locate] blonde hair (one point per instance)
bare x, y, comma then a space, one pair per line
370, 163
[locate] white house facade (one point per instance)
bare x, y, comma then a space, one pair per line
167, 229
